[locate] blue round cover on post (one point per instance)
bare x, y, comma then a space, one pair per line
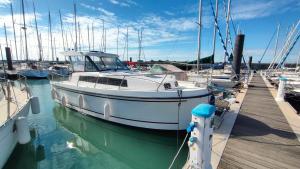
282, 78
203, 110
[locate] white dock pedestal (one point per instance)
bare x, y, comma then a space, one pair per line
200, 142
281, 89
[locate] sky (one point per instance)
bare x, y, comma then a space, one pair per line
169, 27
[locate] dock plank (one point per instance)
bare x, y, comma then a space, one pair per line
261, 136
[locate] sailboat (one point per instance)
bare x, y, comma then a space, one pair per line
33, 69
15, 102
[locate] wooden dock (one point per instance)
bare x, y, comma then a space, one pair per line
261, 136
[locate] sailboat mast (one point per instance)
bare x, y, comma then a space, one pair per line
75, 23
24, 28
62, 30
199, 36
93, 36
88, 29
227, 27
37, 34
118, 41
51, 41
13, 22
215, 28
127, 44
5, 35
79, 34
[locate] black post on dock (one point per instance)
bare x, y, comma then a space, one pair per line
237, 55
8, 58
250, 62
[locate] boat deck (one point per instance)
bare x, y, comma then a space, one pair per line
16, 94
261, 136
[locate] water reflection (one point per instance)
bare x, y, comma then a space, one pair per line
65, 139
114, 146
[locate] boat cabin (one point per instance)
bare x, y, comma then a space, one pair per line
94, 61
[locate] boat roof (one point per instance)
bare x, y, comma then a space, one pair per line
89, 53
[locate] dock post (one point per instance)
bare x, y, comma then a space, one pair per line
8, 58
200, 141
281, 87
237, 55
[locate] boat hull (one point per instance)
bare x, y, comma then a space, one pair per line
163, 112
8, 135
35, 74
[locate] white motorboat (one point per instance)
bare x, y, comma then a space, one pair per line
101, 86
14, 104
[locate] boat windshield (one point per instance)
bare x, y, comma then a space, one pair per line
96, 63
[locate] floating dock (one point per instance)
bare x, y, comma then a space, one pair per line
261, 136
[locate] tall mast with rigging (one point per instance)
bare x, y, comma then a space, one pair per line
62, 30
24, 28
13, 22
199, 36
37, 34
51, 40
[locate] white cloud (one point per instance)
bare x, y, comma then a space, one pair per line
3, 3
124, 3
250, 9
169, 13
101, 10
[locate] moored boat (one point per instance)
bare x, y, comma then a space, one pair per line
101, 86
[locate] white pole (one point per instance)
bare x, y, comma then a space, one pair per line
281, 87
13, 22
227, 27
199, 36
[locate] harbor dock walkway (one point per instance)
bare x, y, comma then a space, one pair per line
261, 136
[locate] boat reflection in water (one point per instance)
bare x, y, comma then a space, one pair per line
108, 145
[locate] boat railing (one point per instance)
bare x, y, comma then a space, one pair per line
8, 89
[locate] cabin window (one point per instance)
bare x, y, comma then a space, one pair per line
104, 80
78, 63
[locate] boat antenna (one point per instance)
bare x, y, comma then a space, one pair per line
199, 35
13, 23
62, 30
37, 33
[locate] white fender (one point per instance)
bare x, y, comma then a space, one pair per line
23, 130
81, 101
53, 94
106, 111
35, 105
64, 101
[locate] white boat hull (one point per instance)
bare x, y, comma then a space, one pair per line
8, 135
146, 112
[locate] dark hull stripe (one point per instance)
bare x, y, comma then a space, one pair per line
137, 99
117, 116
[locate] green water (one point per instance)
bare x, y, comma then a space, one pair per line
66, 139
